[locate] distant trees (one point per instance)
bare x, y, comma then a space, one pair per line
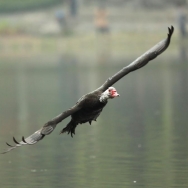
142, 3
160, 3
21, 5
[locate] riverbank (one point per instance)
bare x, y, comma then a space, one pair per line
122, 44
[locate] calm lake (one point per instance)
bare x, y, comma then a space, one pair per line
139, 140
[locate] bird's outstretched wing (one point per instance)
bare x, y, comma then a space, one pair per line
45, 130
140, 61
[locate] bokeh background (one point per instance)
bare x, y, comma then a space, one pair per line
54, 51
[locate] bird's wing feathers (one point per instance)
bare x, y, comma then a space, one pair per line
140, 61
45, 130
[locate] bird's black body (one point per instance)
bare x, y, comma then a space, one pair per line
89, 107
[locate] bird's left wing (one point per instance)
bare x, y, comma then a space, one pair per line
140, 61
45, 130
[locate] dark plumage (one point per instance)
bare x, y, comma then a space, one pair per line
89, 107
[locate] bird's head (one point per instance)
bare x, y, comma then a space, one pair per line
110, 93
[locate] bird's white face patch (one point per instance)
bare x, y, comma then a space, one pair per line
112, 92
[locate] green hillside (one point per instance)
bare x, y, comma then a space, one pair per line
22, 5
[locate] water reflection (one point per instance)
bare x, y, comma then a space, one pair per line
139, 140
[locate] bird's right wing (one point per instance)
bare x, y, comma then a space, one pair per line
140, 61
45, 130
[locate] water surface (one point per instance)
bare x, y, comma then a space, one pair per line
140, 139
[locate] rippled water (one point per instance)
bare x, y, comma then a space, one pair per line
140, 139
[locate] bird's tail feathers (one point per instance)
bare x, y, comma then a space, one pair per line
70, 128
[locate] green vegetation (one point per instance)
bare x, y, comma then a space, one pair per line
20, 5
8, 29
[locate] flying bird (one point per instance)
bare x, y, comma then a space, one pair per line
89, 106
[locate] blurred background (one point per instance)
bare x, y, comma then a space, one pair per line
54, 51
